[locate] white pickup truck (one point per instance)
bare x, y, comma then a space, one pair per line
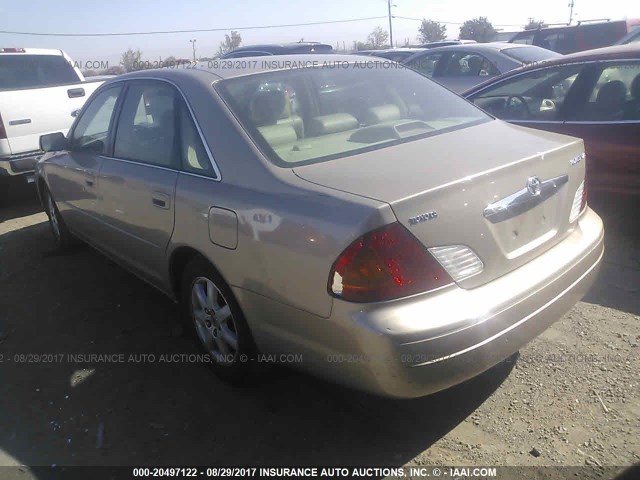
40, 93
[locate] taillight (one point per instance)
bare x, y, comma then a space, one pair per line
385, 264
3, 132
579, 202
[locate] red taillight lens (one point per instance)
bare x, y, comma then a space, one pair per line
3, 132
385, 264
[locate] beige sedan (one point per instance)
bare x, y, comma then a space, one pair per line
346, 216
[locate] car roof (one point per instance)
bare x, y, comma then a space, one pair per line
479, 47
615, 52
279, 47
31, 51
224, 69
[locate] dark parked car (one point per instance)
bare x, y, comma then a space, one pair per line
594, 95
460, 67
632, 37
446, 43
576, 38
279, 49
395, 54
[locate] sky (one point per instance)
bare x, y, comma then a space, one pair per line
118, 16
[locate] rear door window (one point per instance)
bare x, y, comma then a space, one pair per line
466, 64
614, 97
147, 125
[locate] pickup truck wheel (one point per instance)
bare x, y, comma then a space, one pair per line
61, 235
214, 318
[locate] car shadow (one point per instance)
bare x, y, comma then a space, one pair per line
20, 201
618, 284
146, 398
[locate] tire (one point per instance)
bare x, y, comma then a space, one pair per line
214, 318
62, 238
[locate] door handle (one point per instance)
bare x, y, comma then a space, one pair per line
75, 92
160, 200
89, 179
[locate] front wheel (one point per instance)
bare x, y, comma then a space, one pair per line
61, 235
216, 321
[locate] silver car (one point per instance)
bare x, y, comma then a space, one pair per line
460, 67
345, 215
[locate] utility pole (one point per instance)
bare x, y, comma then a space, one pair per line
390, 24
570, 12
193, 45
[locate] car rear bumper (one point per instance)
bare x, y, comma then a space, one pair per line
20, 164
419, 345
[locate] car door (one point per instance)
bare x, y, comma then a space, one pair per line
137, 185
72, 178
608, 119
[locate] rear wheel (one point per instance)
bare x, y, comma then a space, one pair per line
61, 235
214, 317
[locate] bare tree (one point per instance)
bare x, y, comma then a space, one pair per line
131, 60
230, 43
534, 24
378, 38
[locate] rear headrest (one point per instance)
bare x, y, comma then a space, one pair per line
635, 87
382, 113
611, 96
277, 135
267, 106
336, 122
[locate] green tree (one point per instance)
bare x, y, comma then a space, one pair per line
431, 31
131, 60
230, 43
479, 29
378, 38
534, 24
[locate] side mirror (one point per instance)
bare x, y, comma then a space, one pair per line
53, 142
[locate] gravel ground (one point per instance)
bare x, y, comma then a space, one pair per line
570, 399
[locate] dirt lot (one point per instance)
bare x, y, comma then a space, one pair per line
570, 399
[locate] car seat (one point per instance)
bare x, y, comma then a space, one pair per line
632, 107
610, 101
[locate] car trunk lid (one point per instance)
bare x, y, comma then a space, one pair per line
471, 187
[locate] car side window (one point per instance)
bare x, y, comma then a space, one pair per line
193, 154
147, 126
92, 130
561, 42
426, 64
614, 97
537, 95
465, 64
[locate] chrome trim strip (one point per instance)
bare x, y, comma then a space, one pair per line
600, 122
134, 162
193, 117
523, 200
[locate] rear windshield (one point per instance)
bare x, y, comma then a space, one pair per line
309, 115
528, 55
31, 71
